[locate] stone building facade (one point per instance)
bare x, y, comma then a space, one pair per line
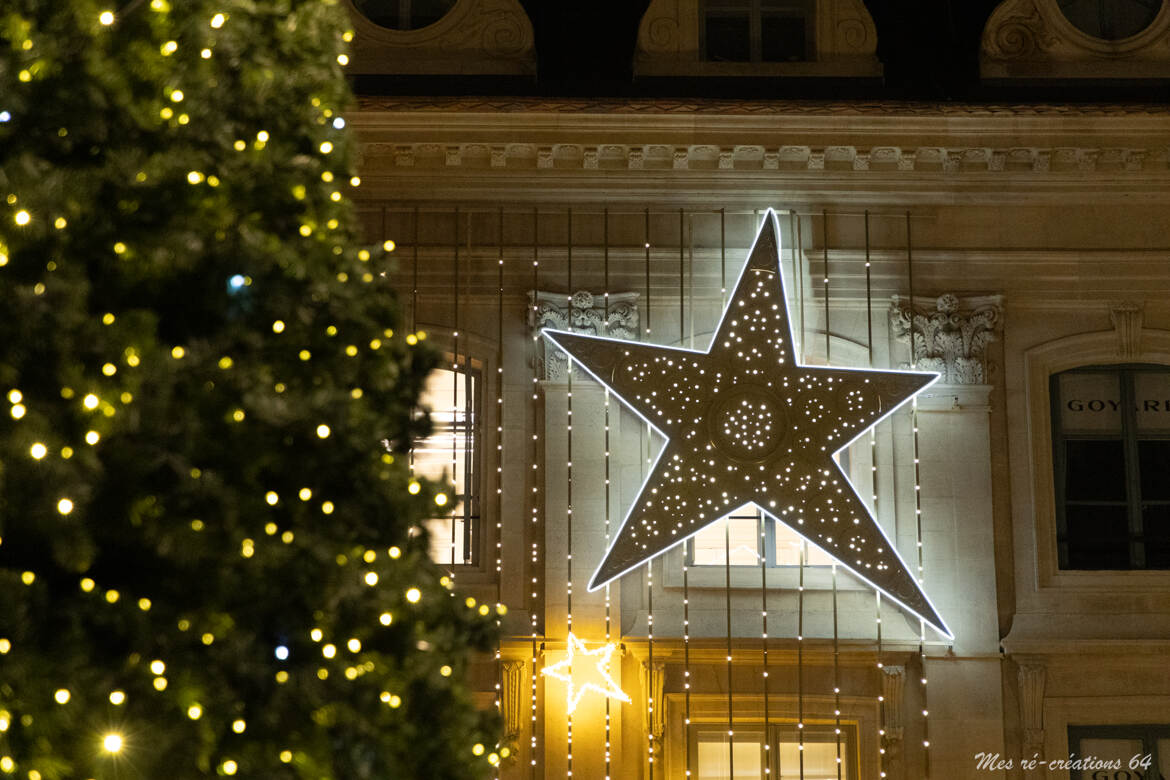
1021, 251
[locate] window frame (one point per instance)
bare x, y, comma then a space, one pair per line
1149, 734
776, 733
1125, 373
474, 372
756, 12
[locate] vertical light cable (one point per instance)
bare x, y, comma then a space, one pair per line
873, 470
762, 554
727, 523
836, 676
685, 566
455, 392
533, 604
413, 312
800, 280
800, 659
499, 464
649, 564
918, 508
569, 476
608, 603
825, 255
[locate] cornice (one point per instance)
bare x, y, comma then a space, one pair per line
884, 108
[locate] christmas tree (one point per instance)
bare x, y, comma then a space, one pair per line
210, 560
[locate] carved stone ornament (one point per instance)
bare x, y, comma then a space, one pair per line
475, 37
893, 682
953, 338
1033, 38
1031, 678
654, 711
584, 312
845, 43
1127, 321
512, 699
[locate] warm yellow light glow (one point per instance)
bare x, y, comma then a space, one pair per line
169, 48
106, 18
90, 401
62, 696
178, 352
282, 676
271, 498
144, 604
176, 95
27, 577
157, 667
441, 499
194, 712
218, 20
117, 698
60, 223
477, 749
5, 646
18, 411
160, 684
322, 431
225, 362
329, 651
262, 135
205, 54
112, 596
22, 218
109, 369
591, 673
87, 585
278, 326
386, 618
413, 595
445, 670
413, 487
388, 246
92, 437
305, 354
326, 147
238, 415
371, 578
38, 450
238, 726
354, 645
112, 743
229, 767
316, 635
286, 756
64, 506
343, 59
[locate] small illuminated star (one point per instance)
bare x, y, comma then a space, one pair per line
746, 424
590, 674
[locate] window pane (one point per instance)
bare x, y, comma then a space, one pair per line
1097, 537
728, 38
1154, 459
1107, 750
441, 550
1094, 470
788, 549
1151, 392
713, 759
710, 544
782, 38
1156, 533
820, 761
1090, 402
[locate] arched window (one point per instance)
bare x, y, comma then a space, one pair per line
1111, 458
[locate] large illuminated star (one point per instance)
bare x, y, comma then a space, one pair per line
586, 676
746, 423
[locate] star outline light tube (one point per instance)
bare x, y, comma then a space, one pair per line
754, 406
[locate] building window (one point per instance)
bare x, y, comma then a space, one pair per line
404, 14
817, 761
450, 455
1131, 752
1110, 20
757, 30
1111, 450
751, 536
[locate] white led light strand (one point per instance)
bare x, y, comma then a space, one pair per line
836, 638
918, 511
569, 481
686, 596
535, 528
649, 564
455, 389
608, 602
499, 467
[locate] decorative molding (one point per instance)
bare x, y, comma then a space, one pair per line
654, 709
475, 37
893, 682
1034, 39
1031, 677
881, 160
844, 45
614, 315
512, 699
953, 338
1127, 322
807, 108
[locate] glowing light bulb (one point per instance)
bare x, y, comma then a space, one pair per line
386, 618
22, 218
218, 20
271, 498
38, 450
229, 767
157, 667
326, 147
371, 578
322, 431
413, 488
117, 698
194, 712
112, 743
281, 653
62, 696
413, 595
239, 726
65, 506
